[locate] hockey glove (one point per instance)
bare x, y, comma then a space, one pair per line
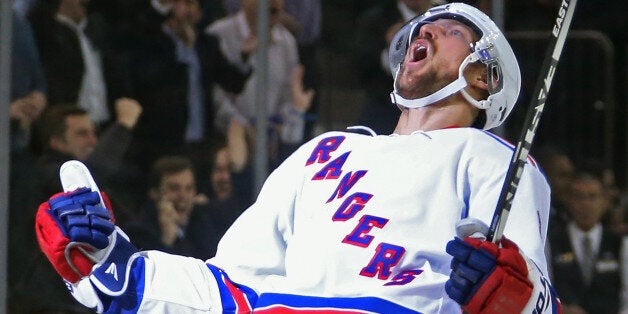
76, 232
71, 228
486, 278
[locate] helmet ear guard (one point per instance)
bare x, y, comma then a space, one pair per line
503, 77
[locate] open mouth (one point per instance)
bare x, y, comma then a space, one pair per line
418, 53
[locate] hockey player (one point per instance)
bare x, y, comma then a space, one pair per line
351, 223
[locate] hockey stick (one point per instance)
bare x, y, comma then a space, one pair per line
515, 169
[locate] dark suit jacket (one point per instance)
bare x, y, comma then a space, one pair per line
160, 83
603, 294
145, 233
62, 58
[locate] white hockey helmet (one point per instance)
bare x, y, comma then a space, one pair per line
492, 49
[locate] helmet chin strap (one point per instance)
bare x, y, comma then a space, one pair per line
457, 85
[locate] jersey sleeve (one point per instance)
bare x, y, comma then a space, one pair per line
249, 257
166, 283
528, 217
529, 214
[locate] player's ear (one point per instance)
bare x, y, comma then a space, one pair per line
477, 86
476, 77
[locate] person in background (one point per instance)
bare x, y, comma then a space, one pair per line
586, 255
303, 18
226, 201
69, 134
169, 219
287, 100
559, 169
174, 69
79, 64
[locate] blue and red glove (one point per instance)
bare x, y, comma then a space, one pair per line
72, 227
487, 278
77, 233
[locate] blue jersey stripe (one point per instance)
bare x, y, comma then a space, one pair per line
226, 297
366, 304
499, 139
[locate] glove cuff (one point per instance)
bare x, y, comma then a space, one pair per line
544, 299
111, 274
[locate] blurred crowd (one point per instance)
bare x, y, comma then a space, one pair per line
158, 98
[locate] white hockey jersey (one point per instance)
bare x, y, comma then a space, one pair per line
351, 223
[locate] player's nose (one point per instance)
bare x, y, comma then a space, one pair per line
430, 31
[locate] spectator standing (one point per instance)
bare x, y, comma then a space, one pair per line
586, 255
303, 18
77, 60
287, 101
173, 72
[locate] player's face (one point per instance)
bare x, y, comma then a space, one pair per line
80, 137
433, 58
180, 189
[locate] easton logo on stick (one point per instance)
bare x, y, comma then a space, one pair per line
561, 17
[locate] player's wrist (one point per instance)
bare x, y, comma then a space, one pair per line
109, 277
543, 298
110, 274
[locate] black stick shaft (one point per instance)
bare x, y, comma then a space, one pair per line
543, 84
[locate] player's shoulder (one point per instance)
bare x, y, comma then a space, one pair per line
470, 137
485, 143
339, 135
470, 133
508, 146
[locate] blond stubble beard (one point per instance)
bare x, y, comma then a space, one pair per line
418, 87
